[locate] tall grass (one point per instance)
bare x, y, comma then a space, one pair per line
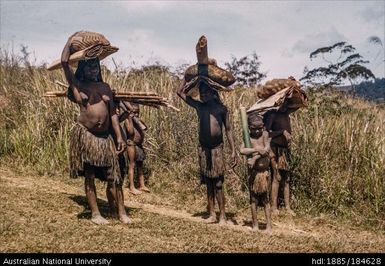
338, 142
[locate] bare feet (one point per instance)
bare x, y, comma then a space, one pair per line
134, 191
268, 230
144, 188
98, 219
274, 212
211, 219
222, 221
125, 219
255, 227
290, 212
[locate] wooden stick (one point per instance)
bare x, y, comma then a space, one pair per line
245, 127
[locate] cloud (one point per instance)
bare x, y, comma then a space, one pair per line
313, 41
373, 15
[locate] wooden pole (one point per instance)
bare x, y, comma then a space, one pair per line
245, 127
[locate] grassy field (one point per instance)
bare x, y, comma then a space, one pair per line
338, 172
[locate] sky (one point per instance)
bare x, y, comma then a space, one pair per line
282, 33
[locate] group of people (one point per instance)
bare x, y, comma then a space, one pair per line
101, 148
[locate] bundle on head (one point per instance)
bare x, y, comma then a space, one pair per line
86, 45
275, 85
206, 70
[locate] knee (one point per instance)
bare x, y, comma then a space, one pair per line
276, 177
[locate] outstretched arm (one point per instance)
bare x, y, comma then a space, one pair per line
230, 139
71, 79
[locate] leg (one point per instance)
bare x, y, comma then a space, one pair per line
210, 201
111, 196
274, 187
220, 195
120, 204
286, 193
254, 212
142, 186
90, 189
131, 168
268, 216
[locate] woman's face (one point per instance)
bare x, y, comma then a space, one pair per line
91, 71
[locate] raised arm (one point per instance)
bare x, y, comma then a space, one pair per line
230, 138
190, 101
71, 79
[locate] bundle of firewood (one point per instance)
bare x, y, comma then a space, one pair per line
144, 98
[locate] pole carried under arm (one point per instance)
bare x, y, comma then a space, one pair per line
245, 127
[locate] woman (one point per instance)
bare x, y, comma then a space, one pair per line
92, 149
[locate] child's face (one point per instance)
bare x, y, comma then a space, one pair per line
256, 127
135, 110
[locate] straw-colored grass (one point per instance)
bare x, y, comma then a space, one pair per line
338, 142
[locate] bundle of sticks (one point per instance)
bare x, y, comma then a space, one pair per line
144, 98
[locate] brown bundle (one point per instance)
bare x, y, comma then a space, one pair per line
84, 39
207, 67
86, 45
213, 72
275, 85
293, 96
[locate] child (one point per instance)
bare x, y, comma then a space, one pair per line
213, 117
135, 129
279, 127
258, 168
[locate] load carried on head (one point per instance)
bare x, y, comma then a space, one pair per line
87, 45
206, 70
277, 92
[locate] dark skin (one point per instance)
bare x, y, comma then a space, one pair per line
213, 117
98, 115
279, 127
136, 134
260, 146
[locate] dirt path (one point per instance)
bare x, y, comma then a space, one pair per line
43, 214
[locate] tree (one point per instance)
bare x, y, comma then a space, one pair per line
246, 70
348, 65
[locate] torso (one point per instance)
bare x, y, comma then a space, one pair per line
95, 115
211, 120
260, 143
279, 122
138, 136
